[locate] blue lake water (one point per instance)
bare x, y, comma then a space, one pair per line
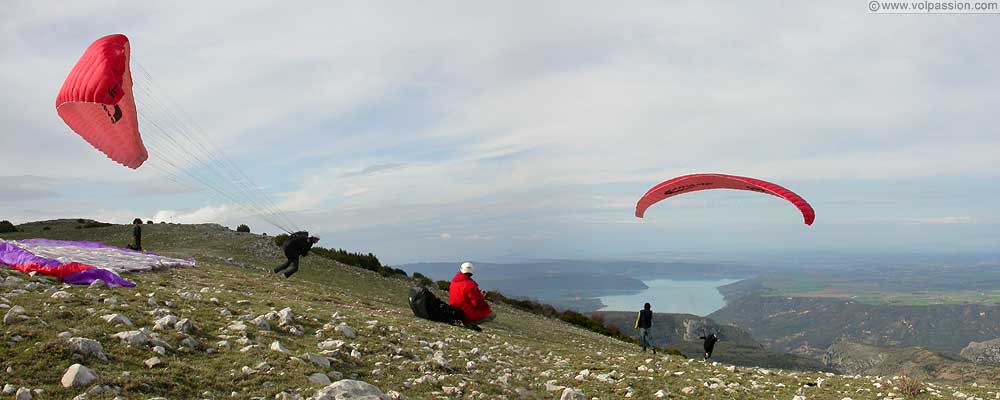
672, 296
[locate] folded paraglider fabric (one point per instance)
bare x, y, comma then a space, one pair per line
80, 262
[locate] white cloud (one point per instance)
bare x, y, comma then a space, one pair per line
208, 214
502, 120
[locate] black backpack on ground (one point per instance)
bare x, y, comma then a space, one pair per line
426, 305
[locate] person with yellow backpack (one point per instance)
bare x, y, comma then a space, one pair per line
643, 322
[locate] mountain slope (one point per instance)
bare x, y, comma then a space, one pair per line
806, 324
681, 332
856, 358
238, 329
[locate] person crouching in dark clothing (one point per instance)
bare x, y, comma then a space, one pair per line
137, 235
709, 344
297, 245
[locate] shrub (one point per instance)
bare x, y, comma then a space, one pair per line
675, 352
7, 227
243, 228
45, 228
81, 221
280, 239
533, 307
909, 387
422, 280
366, 261
149, 222
443, 285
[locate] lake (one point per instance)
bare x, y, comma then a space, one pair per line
672, 296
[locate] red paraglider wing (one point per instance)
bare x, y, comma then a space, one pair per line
696, 182
96, 101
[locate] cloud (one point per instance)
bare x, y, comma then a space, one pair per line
373, 169
506, 120
208, 214
27, 188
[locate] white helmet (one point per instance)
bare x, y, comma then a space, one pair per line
467, 268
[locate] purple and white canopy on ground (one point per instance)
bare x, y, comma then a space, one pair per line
81, 262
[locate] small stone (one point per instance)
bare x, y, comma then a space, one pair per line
118, 319
237, 326
552, 386
86, 347
572, 394
98, 283
276, 346
134, 338
77, 376
23, 394
61, 295
165, 323
349, 389
285, 316
152, 362
319, 379
190, 343
317, 359
13, 314
185, 325
347, 331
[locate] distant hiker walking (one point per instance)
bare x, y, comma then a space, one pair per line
464, 294
709, 344
297, 245
643, 322
137, 235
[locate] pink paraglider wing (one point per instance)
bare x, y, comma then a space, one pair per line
96, 101
696, 182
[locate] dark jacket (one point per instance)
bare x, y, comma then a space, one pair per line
297, 244
644, 319
709, 342
137, 231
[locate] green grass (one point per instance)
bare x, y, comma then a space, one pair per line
231, 269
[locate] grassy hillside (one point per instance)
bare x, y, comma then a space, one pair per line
228, 351
681, 332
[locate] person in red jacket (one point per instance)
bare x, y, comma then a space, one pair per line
464, 294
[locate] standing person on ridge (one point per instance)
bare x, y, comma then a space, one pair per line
297, 245
709, 344
643, 322
464, 294
137, 235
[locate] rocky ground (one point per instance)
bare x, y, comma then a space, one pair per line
228, 329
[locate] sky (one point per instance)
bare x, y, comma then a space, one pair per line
450, 130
